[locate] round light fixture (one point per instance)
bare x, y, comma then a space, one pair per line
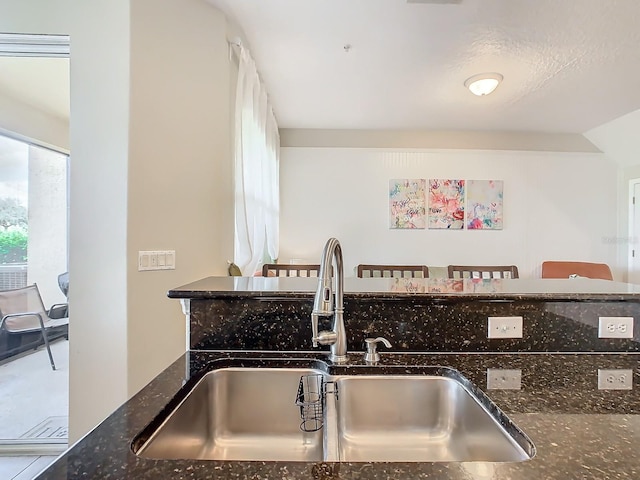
483, 83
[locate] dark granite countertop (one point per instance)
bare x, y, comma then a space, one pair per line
557, 289
579, 432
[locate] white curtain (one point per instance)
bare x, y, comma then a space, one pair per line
256, 166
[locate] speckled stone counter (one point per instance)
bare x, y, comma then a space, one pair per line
579, 432
416, 315
435, 288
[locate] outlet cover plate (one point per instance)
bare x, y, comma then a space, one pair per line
615, 379
615, 327
504, 327
503, 379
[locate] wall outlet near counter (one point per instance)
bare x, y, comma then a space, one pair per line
504, 327
615, 379
503, 379
615, 327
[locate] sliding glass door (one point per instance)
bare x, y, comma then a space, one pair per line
33, 249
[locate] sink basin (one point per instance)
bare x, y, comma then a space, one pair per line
422, 419
241, 413
237, 414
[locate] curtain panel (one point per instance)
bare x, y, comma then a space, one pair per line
256, 171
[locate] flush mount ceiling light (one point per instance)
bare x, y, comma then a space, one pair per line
483, 83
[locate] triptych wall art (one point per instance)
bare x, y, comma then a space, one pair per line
445, 203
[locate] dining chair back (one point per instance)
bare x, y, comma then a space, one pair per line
392, 271
482, 271
290, 270
553, 269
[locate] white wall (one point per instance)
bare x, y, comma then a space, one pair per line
98, 291
557, 206
99, 141
155, 178
619, 139
33, 124
620, 142
437, 140
47, 222
180, 182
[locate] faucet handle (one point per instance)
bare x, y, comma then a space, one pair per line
372, 355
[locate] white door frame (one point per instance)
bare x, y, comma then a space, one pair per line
633, 249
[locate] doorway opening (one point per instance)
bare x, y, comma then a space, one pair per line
34, 211
33, 249
633, 253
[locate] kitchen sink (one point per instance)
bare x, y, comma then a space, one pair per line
422, 419
237, 414
240, 413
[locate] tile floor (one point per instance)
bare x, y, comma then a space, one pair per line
28, 380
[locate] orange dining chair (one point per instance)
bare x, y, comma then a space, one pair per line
552, 269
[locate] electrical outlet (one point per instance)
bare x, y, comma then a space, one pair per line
502, 379
615, 379
504, 327
615, 327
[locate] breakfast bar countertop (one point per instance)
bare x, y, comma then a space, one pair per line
579, 431
556, 289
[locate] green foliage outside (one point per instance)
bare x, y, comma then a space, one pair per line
12, 214
13, 231
13, 246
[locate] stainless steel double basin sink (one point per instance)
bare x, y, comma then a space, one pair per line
249, 414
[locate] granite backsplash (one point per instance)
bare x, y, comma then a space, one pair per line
411, 324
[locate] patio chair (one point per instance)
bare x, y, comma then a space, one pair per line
23, 312
61, 310
63, 283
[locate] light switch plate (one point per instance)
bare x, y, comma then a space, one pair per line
504, 327
156, 260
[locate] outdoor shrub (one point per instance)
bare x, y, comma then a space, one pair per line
13, 246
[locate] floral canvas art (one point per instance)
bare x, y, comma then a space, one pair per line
446, 203
407, 203
484, 204
408, 285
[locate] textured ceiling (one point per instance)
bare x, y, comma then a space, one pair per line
568, 65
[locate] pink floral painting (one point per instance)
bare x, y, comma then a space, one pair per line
407, 203
409, 285
446, 203
445, 285
484, 204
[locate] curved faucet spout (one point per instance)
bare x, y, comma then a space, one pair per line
324, 303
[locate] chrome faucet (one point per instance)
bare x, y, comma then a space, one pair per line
325, 305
